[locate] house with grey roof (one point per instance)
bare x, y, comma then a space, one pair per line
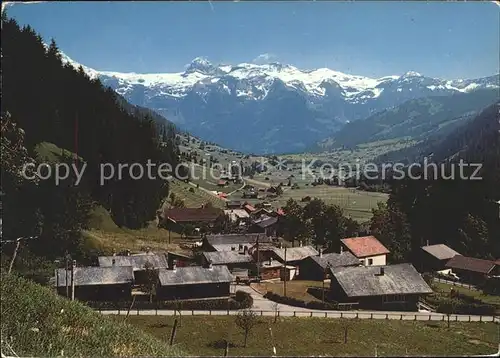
194, 282
316, 267
138, 263
434, 257
391, 287
231, 259
233, 242
96, 283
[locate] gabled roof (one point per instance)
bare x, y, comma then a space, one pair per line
336, 260
249, 207
471, 264
264, 223
194, 275
236, 239
136, 261
365, 246
440, 251
192, 214
94, 275
235, 214
365, 281
295, 253
227, 257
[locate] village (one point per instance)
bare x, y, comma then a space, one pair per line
254, 260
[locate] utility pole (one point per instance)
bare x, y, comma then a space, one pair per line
67, 278
73, 267
258, 258
18, 242
284, 274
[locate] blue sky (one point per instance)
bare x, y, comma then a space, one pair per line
438, 39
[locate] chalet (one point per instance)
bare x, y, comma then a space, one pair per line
232, 242
180, 258
250, 194
393, 287
434, 258
96, 283
265, 225
293, 256
367, 249
317, 267
193, 282
231, 259
138, 263
249, 208
234, 204
175, 218
238, 216
271, 269
263, 212
472, 270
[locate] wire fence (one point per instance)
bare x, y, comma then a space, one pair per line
458, 284
406, 316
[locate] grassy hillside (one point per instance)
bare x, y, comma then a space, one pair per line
50, 153
37, 322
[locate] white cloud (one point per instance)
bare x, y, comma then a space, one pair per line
6, 4
264, 58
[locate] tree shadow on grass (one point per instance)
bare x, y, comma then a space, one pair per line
221, 344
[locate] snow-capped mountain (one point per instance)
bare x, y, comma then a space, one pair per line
271, 107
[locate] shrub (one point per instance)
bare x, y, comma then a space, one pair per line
458, 306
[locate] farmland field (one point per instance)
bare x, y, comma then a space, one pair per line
356, 203
194, 197
205, 335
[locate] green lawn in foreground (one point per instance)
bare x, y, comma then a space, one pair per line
198, 335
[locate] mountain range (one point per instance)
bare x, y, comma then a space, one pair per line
274, 107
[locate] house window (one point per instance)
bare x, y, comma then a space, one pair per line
370, 262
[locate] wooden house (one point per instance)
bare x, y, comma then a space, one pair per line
96, 283
472, 270
433, 258
232, 259
233, 242
176, 218
193, 282
316, 267
266, 226
393, 287
138, 263
368, 250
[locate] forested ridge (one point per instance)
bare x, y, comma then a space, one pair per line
461, 213
46, 101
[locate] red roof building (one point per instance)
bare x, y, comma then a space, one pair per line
367, 248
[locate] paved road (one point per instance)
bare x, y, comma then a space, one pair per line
265, 307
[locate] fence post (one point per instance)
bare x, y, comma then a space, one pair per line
192, 312
415, 318
137, 311
443, 318
156, 310
480, 318
401, 318
456, 318
469, 318
371, 315
261, 313
210, 312
387, 316
357, 315
278, 313
341, 315
311, 314
429, 317
326, 315
294, 313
